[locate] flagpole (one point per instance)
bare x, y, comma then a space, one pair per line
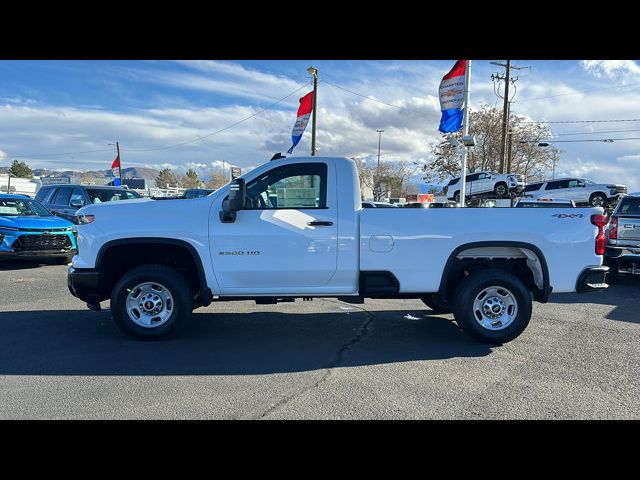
465, 132
119, 163
314, 71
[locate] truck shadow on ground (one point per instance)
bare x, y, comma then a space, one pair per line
78, 342
620, 296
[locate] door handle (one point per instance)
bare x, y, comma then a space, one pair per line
317, 223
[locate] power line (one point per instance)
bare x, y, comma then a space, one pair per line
605, 140
585, 121
597, 132
372, 99
578, 93
175, 144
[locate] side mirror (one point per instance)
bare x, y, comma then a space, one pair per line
77, 204
235, 202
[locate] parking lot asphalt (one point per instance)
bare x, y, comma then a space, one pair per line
387, 359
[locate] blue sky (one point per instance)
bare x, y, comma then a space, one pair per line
62, 107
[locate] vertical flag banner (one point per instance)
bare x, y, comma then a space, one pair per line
452, 98
115, 167
304, 112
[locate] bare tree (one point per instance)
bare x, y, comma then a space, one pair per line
527, 158
87, 179
217, 180
389, 180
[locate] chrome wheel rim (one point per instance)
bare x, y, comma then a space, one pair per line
597, 201
495, 308
149, 304
501, 190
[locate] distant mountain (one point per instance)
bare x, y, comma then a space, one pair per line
131, 172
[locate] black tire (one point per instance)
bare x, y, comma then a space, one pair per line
456, 196
169, 279
472, 286
596, 198
501, 189
437, 307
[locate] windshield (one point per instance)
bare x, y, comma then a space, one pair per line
22, 207
99, 195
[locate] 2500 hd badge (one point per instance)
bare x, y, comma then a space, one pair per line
241, 252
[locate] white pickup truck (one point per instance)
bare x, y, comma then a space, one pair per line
295, 228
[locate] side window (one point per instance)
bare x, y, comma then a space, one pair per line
42, 194
482, 176
77, 197
574, 184
302, 185
62, 197
472, 178
533, 187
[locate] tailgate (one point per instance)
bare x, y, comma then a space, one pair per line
629, 228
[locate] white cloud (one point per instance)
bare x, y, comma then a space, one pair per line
611, 68
3, 155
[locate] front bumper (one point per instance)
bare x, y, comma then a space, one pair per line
86, 284
592, 280
36, 254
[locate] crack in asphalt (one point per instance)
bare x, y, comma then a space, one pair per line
363, 331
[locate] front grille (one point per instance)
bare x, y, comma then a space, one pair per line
26, 243
63, 229
621, 190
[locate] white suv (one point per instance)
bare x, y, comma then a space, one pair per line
580, 190
482, 183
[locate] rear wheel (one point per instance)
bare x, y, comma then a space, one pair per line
493, 306
151, 301
456, 196
598, 200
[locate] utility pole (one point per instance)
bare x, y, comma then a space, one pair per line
379, 141
505, 109
314, 71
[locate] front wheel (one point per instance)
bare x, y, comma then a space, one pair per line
501, 189
151, 302
598, 200
493, 306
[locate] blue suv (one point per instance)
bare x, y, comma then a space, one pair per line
29, 230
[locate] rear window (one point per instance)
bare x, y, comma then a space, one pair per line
101, 195
453, 182
629, 206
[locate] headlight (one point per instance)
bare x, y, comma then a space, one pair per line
85, 219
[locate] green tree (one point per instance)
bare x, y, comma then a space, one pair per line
166, 179
190, 179
20, 170
527, 158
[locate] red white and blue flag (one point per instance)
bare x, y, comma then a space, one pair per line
452, 98
304, 112
115, 168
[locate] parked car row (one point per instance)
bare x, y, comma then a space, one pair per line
65, 200
578, 190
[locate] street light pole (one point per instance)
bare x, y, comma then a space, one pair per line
377, 181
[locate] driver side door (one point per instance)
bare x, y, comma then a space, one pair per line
285, 240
